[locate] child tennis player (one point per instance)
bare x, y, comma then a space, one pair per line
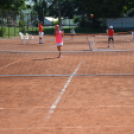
59, 39
40, 32
110, 32
72, 33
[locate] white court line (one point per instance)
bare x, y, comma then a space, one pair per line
71, 127
54, 105
88, 51
67, 75
101, 106
43, 51
128, 40
9, 64
114, 36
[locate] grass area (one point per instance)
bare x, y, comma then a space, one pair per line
11, 32
14, 31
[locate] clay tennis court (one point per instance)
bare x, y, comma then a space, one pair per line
85, 92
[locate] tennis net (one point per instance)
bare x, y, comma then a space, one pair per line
70, 44
122, 43
47, 64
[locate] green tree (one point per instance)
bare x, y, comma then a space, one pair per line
41, 8
13, 5
118, 7
68, 8
111, 8
104, 8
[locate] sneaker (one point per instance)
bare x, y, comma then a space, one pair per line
60, 56
108, 46
113, 45
41, 43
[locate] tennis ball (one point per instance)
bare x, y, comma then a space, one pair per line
91, 15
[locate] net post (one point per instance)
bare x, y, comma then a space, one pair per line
93, 42
89, 44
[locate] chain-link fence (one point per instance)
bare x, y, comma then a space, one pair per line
98, 23
95, 23
11, 23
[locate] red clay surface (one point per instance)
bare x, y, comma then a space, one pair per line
89, 105
93, 63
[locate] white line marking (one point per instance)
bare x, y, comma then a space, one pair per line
76, 127
125, 37
128, 40
54, 105
45, 39
9, 64
88, 51
102, 106
42, 51
67, 75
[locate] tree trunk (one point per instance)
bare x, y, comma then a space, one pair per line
59, 12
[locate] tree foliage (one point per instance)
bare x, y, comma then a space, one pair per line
41, 8
13, 5
111, 8
68, 8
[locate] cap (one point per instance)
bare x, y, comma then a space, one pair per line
111, 27
57, 26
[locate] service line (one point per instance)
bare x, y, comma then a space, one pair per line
54, 105
10, 64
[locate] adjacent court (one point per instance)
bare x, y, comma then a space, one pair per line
87, 91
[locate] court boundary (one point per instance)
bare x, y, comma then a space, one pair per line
68, 75
70, 127
88, 51
99, 106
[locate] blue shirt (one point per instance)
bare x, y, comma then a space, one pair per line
72, 31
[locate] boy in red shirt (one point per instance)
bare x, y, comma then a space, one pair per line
40, 32
110, 36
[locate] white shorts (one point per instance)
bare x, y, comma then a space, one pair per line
59, 44
41, 34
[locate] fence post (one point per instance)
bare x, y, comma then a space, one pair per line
121, 21
8, 26
31, 27
59, 12
19, 21
69, 22
1, 21
52, 24
13, 23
